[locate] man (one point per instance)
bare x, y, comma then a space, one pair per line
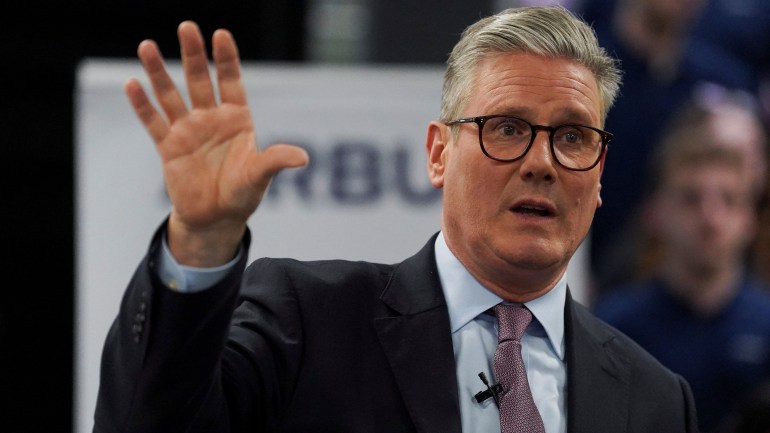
361, 347
699, 311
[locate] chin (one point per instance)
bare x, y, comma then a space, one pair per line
536, 264
534, 258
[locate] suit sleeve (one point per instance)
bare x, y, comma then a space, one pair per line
162, 362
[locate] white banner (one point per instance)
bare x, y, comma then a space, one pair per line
365, 195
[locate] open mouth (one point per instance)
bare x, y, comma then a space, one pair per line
532, 210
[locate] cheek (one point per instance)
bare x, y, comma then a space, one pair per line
585, 216
744, 228
464, 192
472, 180
587, 201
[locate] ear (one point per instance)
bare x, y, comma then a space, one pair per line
599, 195
601, 170
436, 144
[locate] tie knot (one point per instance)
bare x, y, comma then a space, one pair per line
512, 321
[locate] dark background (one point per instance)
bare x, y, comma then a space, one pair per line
41, 44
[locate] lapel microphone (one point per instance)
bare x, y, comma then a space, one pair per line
491, 391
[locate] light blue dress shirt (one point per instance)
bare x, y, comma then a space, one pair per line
474, 336
187, 279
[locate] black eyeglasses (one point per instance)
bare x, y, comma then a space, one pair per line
507, 138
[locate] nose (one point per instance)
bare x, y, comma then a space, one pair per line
538, 163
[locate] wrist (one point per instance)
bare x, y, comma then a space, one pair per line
204, 246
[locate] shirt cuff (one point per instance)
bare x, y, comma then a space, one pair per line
188, 279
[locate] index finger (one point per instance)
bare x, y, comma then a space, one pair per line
228, 67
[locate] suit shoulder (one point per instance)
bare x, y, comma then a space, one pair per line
606, 360
326, 275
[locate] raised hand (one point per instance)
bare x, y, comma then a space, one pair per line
214, 172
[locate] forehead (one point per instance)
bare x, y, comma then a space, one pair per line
722, 176
535, 86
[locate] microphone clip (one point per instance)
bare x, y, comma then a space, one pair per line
492, 391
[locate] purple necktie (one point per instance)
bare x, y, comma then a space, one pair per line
518, 413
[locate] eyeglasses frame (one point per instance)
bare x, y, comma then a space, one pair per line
481, 120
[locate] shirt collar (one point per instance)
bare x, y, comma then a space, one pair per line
466, 298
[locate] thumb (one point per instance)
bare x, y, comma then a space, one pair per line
280, 156
276, 157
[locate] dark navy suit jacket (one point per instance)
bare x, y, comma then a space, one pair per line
340, 346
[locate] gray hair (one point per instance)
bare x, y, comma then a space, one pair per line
547, 31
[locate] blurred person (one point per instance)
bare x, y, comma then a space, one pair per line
664, 64
733, 119
700, 310
202, 343
736, 120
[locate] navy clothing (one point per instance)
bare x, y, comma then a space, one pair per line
722, 357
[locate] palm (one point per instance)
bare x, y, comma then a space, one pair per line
206, 161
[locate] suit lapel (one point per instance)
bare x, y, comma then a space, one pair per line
598, 378
418, 344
